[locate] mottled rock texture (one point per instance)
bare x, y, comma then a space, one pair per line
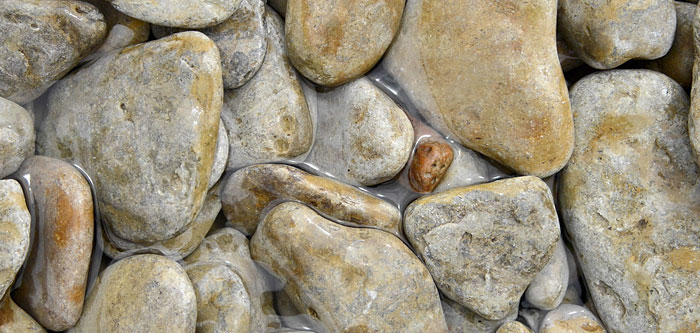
16, 136
569, 318
678, 62
694, 116
629, 198
348, 278
484, 244
179, 13
40, 41
547, 289
462, 320
143, 122
513, 327
431, 160
14, 232
489, 77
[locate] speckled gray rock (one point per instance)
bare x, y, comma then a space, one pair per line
547, 289
142, 293
40, 41
241, 40
694, 115
14, 232
13, 319
148, 140
250, 190
514, 327
267, 119
569, 318
350, 279
224, 259
16, 136
179, 13
484, 244
629, 199
333, 42
605, 34
122, 30
220, 156
363, 137
678, 62
462, 320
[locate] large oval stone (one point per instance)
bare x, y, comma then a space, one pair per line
143, 122
487, 74
179, 13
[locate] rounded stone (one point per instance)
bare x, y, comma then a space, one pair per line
179, 13
678, 62
514, 327
16, 136
547, 289
570, 318
431, 160
15, 227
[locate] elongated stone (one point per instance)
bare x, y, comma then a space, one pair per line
14, 232
40, 41
179, 13
629, 200
17, 136
489, 77
484, 244
547, 289
250, 190
694, 115
348, 278
55, 276
268, 119
147, 140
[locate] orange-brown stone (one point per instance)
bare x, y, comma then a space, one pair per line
430, 162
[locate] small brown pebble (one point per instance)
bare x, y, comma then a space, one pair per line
429, 165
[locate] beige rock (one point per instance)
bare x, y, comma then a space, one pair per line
462, 320
40, 41
14, 232
268, 119
148, 140
629, 199
13, 319
142, 293
489, 77
348, 278
333, 42
122, 30
694, 115
179, 13
250, 190
514, 327
55, 276
569, 318
484, 244
220, 156
16, 136
605, 34
678, 62
547, 289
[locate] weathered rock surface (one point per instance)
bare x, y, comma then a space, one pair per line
142, 293
363, 137
569, 318
220, 156
605, 34
241, 40
147, 139
55, 277
179, 13
250, 190
333, 42
629, 198
484, 244
547, 289
14, 232
40, 41
122, 30
267, 119
229, 289
350, 279
678, 62
430, 162
694, 116
489, 77
16, 136
513, 327
13, 319
462, 320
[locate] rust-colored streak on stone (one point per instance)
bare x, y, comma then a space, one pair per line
6, 313
429, 165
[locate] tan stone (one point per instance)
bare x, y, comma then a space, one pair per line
514, 327
250, 190
179, 13
678, 62
17, 138
15, 227
55, 276
351, 279
694, 116
569, 318
489, 77
333, 42
430, 162
14, 320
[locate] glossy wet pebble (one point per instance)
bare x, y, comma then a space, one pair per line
16, 136
569, 318
14, 232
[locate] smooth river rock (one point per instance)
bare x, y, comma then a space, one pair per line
605, 34
241, 40
14, 320
570, 318
333, 42
351, 279
179, 13
55, 276
142, 293
547, 289
484, 244
122, 30
250, 190
40, 41
147, 139
431, 160
228, 287
489, 77
16, 136
629, 198
363, 137
678, 62
268, 119
14, 232
514, 327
